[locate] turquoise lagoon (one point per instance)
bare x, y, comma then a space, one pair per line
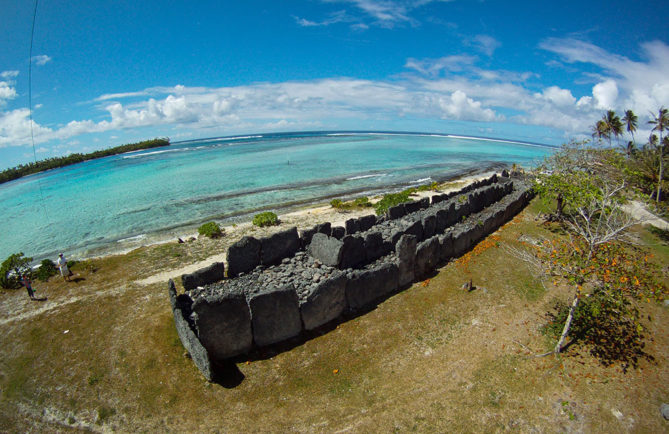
114, 203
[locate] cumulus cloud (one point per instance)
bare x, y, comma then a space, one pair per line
40, 60
625, 83
605, 94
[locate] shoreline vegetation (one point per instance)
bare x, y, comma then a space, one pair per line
56, 162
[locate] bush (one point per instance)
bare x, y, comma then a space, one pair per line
392, 199
266, 218
210, 229
336, 204
46, 269
17, 264
362, 202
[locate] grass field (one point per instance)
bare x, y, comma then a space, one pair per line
102, 354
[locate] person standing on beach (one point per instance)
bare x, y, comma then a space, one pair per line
29, 286
64, 271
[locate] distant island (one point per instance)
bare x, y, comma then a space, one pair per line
52, 163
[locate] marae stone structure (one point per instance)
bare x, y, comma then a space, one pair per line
280, 286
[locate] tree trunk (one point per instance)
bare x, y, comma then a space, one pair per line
560, 205
567, 323
659, 180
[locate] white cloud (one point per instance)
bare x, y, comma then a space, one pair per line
625, 83
9, 74
605, 94
383, 13
335, 17
485, 44
7, 92
40, 60
560, 97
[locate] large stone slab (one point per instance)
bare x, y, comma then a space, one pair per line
204, 276
338, 232
326, 249
406, 254
243, 256
181, 309
223, 324
411, 207
429, 223
461, 241
275, 315
374, 246
367, 286
278, 246
353, 253
427, 257
324, 303
352, 226
446, 251
306, 235
366, 222
396, 212
324, 228
415, 229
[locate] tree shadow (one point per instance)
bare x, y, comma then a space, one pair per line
662, 234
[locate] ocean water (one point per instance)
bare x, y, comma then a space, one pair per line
114, 203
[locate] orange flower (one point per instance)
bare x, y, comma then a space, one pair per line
335, 371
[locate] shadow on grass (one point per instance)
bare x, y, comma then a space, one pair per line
660, 233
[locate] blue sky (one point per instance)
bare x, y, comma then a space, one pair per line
112, 72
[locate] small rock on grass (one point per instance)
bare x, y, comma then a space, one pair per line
665, 411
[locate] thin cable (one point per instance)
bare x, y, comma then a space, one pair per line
30, 105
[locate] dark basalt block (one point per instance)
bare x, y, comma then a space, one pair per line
223, 324
353, 252
278, 246
326, 249
275, 314
204, 276
367, 286
325, 303
243, 256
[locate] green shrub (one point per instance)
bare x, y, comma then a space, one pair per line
362, 202
392, 199
46, 269
267, 218
336, 204
210, 229
16, 263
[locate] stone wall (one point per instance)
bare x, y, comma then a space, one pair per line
280, 286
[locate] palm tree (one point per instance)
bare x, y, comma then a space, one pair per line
630, 120
601, 130
661, 122
614, 125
